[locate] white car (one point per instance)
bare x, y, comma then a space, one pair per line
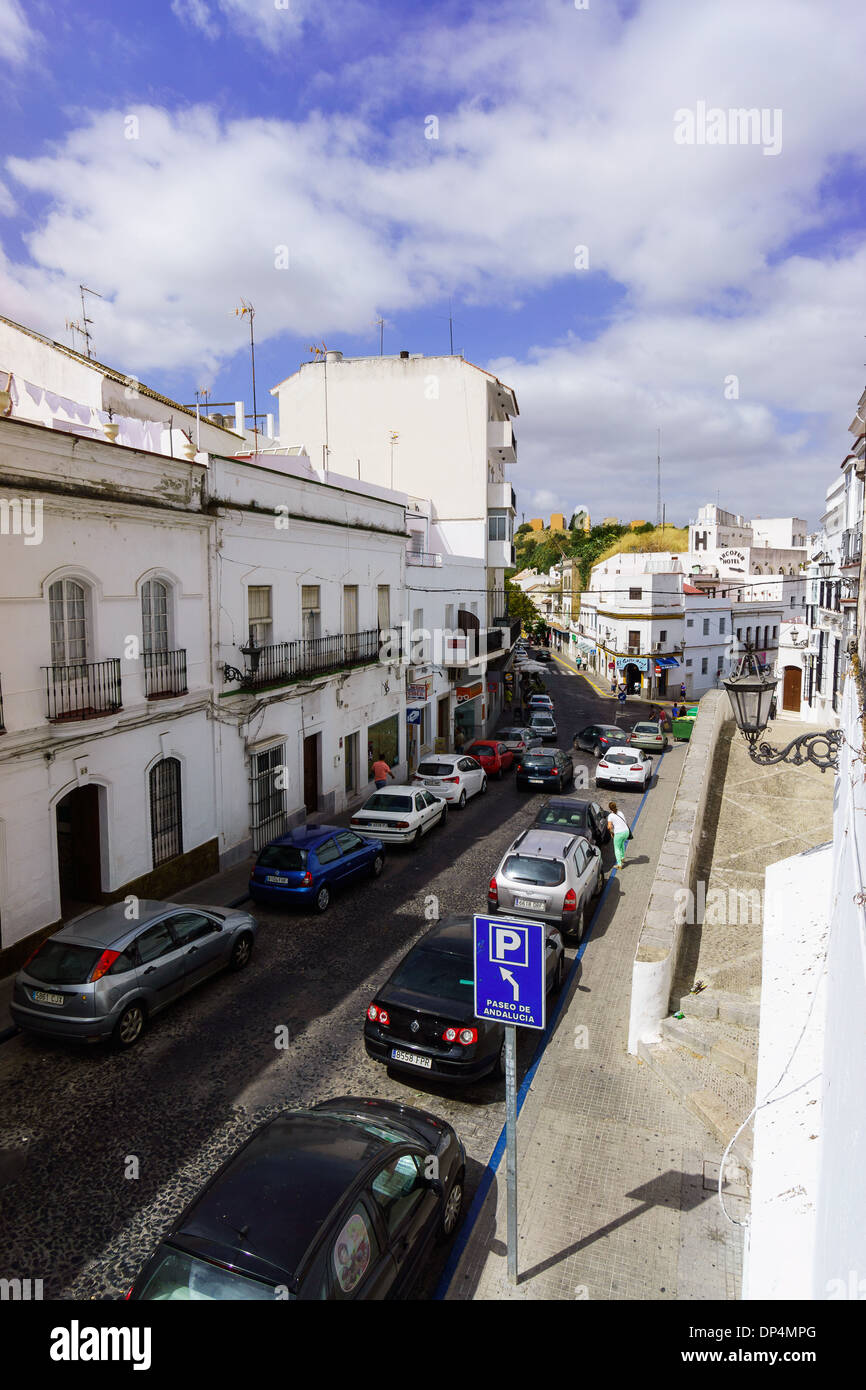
451, 776
541, 702
399, 815
542, 722
624, 767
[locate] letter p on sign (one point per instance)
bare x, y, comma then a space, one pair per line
510, 946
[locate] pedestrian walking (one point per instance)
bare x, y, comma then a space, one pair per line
682, 690
459, 740
618, 827
381, 772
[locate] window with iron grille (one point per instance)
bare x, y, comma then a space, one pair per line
67, 610
154, 616
384, 607
259, 613
634, 593
267, 794
166, 825
311, 610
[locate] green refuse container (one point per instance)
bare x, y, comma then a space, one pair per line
682, 727
693, 711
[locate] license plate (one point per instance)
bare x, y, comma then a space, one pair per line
536, 781
527, 902
431, 781
398, 1055
379, 825
275, 878
41, 996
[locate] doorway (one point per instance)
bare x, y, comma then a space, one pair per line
311, 773
351, 760
631, 676
78, 849
792, 689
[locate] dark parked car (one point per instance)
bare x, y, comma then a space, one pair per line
306, 866
575, 817
103, 975
597, 738
550, 769
341, 1201
423, 1017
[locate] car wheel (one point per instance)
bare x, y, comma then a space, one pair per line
323, 898
559, 977
443, 814
498, 1071
462, 802
499, 773
483, 785
416, 838
377, 865
129, 1026
596, 752
453, 1208
241, 951
600, 884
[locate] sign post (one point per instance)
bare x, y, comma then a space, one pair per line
510, 963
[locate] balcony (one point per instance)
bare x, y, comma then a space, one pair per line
500, 554
164, 674
308, 656
500, 438
501, 497
852, 547
82, 690
423, 557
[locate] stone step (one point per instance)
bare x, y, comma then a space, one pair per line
719, 1099
719, 1004
729, 1046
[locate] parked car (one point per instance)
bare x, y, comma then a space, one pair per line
597, 738
452, 776
399, 815
624, 766
542, 702
329, 1203
104, 976
574, 816
549, 875
648, 736
423, 1017
306, 866
544, 768
493, 755
541, 722
542, 654
519, 738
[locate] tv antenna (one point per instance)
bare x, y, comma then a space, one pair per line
247, 309
380, 324
82, 327
659, 480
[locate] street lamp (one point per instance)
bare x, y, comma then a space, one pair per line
253, 652
752, 696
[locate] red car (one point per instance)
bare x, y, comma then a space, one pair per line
494, 757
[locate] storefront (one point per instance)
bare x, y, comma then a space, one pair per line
630, 670
419, 717
383, 740
469, 714
664, 672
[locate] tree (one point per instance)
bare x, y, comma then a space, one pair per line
519, 606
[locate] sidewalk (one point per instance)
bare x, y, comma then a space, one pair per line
602, 686
616, 1180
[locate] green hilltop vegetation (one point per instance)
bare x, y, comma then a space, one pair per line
540, 549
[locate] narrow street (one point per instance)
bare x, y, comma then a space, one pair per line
111, 1146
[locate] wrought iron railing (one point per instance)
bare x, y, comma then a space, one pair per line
82, 689
164, 674
306, 656
423, 557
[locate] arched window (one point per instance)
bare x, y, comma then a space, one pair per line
166, 825
67, 608
154, 616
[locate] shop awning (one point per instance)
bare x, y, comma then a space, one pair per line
665, 661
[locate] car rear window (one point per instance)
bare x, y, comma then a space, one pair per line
610, 731
537, 763
182, 1276
481, 750
618, 758
383, 802
645, 729
575, 818
435, 769
62, 963
541, 721
524, 869
436, 972
282, 857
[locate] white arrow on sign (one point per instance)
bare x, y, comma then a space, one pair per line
507, 975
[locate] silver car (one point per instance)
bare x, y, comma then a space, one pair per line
102, 975
549, 874
542, 722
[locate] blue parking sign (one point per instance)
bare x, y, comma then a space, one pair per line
510, 971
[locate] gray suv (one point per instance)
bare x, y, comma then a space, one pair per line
549, 874
101, 976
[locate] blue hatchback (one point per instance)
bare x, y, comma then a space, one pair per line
304, 867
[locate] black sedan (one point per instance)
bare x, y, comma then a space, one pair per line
341, 1201
597, 738
423, 1019
579, 817
550, 769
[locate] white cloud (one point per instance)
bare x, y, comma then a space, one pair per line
17, 38
198, 15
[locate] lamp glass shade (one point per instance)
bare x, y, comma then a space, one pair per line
751, 697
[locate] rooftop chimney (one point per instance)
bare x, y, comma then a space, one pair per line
404, 355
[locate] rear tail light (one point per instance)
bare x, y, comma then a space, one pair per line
492, 892
378, 1015
450, 779
103, 965
602, 763
570, 901
636, 767
401, 825
307, 880
464, 1036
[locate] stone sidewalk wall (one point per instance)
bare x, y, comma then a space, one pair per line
659, 942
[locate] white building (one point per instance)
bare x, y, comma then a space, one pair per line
631, 624
761, 560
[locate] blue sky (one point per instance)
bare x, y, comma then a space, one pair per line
259, 125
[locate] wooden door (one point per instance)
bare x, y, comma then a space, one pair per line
311, 773
792, 687
78, 853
